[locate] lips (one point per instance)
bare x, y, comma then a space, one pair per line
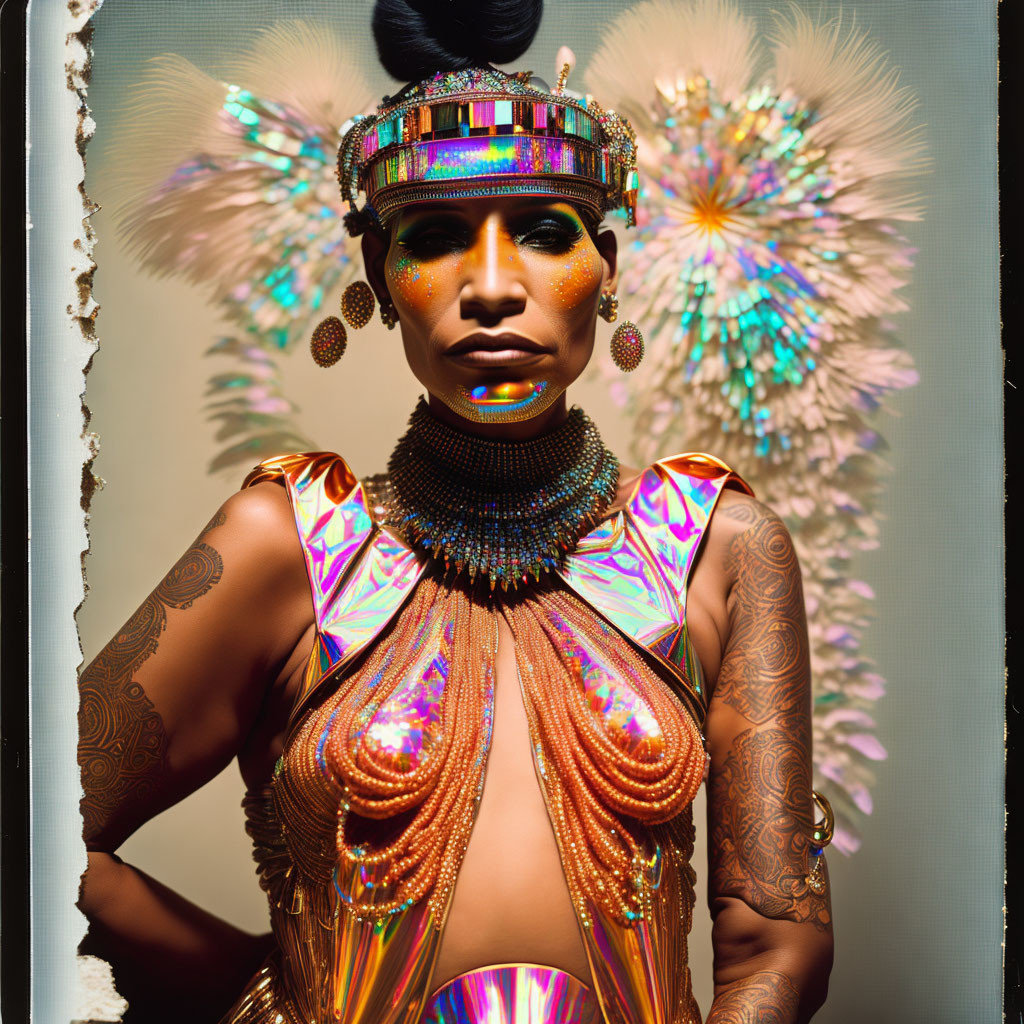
483, 349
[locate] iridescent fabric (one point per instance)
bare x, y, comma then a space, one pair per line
634, 567
513, 994
358, 938
462, 159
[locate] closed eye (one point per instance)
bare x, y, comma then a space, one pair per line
428, 238
552, 232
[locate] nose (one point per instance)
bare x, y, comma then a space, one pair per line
493, 288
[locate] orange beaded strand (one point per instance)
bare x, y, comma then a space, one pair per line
604, 778
594, 781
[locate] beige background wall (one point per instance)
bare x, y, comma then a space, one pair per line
918, 908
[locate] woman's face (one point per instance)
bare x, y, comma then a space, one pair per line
496, 299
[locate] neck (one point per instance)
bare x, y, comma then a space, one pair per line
523, 430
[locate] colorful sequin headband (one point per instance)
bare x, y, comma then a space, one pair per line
481, 132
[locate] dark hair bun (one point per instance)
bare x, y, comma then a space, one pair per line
418, 38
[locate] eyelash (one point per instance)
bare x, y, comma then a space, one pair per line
560, 236
550, 235
432, 242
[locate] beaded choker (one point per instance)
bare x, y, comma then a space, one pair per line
506, 510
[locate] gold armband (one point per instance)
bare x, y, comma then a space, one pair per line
821, 836
824, 829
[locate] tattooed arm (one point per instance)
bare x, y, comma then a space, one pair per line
772, 932
163, 708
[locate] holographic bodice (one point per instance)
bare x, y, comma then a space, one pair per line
615, 617
513, 994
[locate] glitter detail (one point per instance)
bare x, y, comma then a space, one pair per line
406, 272
574, 284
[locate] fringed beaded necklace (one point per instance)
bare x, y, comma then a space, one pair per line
505, 510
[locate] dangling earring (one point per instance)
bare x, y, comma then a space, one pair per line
330, 339
627, 346
388, 315
357, 304
328, 342
608, 306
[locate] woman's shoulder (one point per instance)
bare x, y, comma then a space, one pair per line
261, 510
261, 516
738, 510
254, 532
745, 533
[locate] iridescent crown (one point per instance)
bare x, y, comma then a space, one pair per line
481, 132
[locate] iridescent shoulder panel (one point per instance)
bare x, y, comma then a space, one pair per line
634, 567
359, 573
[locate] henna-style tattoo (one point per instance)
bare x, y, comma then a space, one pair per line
220, 517
760, 824
122, 747
766, 663
759, 795
767, 997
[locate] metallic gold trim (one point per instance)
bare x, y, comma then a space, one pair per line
497, 967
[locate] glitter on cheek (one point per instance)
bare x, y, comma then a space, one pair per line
413, 282
577, 275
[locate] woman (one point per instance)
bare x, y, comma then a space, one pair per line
467, 696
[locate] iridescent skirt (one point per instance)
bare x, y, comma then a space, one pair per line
513, 994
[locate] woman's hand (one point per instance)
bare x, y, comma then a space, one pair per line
772, 932
164, 707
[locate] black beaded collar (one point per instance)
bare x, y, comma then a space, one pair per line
505, 510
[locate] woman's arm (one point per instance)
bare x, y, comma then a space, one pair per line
772, 933
172, 960
163, 708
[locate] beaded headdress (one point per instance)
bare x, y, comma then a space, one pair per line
482, 132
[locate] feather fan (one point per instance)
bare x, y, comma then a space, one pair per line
767, 262
231, 184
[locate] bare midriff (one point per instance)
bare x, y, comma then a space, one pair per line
511, 903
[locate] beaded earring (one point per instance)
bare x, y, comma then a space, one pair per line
627, 346
357, 304
608, 306
329, 341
